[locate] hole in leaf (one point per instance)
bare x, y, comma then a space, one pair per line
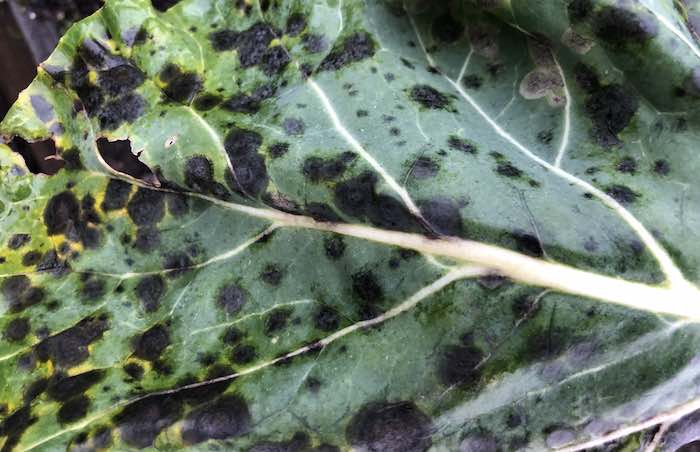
40, 157
117, 154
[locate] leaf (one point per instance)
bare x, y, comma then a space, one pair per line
354, 224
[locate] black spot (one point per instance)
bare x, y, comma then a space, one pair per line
126, 108
31, 258
579, 10
274, 60
151, 343
147, 239
627, 165
322, 212
313, 43
317, 169
366, 287
586, 78
507, 169
149, 291
622, 194
272, 274
429, 97
14, 425
249, 175
362, 113
227, 417
16, 330
134, 370
611, 109
446, 29
295, 24
460, 144
243, 354
120, 79
232, 298
42, 108
141, 422
661, 167
35, 389
17, 241
334, 246
353, 48
293, 126
20, 295
390, 427
326, 319
243, 103
70, 347
199, 174
528, 244
116, 195
181, 86
92, 289
102, 438
277, 150
357, 197
61, 212
472, 81
277, 321
232, 335
223, 40
146, 207
206, 102
62, 387
458, 363
617, 26
424, 168
300, 442
443, 215
164, 5
545, 136
178, 204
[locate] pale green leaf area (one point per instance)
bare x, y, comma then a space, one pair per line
364, 225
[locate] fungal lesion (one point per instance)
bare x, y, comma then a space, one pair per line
546, 80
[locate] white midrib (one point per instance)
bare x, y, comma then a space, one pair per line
668, 267
682, 300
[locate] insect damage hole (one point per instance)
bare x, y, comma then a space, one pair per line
41, 157
118, 155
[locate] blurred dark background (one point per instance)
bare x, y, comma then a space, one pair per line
29, 31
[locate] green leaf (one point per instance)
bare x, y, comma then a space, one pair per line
399, 227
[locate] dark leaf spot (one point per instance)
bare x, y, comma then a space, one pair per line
228, 417
16, 329
334, 246
443, 215
146, 207
326, 319
232, 298
429, 97
622, 194
151, 343
116, 195
141, 422
390, 427
149, 291
277, 321
353, 48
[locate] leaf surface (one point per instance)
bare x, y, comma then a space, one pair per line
369, 225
